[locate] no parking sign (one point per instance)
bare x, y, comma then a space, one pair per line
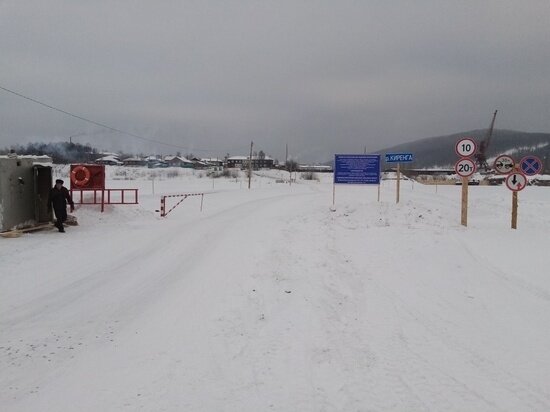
530, 165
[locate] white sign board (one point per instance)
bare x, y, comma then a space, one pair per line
504, 164
516, 181
465, 147
465, 167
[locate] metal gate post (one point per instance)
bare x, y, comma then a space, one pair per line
163, 206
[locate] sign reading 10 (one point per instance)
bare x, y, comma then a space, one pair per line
465, 147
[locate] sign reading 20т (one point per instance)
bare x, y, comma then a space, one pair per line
357, 169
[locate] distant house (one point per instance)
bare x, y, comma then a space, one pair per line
156, 164
134, 161
236, 161
215, 162
178, 161
152, 158
315, 168
110, 159
199, 164
258, 162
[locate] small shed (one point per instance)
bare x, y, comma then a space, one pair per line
24, 191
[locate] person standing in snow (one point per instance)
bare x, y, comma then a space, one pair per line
59, 197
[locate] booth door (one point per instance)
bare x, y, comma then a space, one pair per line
42, 186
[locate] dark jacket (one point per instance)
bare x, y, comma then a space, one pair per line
59, 198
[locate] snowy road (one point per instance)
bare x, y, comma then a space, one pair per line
269, 301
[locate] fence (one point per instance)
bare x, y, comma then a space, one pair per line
105, 197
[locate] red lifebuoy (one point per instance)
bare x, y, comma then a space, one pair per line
80, 176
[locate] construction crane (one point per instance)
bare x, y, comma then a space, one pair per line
481, 155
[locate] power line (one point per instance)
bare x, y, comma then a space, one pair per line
114, 129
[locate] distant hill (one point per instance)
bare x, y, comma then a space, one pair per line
440, 151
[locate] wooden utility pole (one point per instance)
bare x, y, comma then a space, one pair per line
286, 155
514, 210
250, 166
288, 166
398, 183
464, 205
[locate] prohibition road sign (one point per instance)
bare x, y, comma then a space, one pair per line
516, 181
504, 164
465, 147
530, 165
465, 167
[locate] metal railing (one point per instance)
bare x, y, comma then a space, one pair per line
104, 197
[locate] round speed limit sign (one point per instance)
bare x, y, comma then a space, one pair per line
465, 147
465, 167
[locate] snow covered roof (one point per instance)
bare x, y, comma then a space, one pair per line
180, 158
246, 158
109, 158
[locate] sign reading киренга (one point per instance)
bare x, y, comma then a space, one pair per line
399, 157
357, 169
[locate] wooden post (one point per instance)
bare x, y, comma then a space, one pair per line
333, 194
464, 208
514, 210
379, 192
398, 183
250, 166
202, 198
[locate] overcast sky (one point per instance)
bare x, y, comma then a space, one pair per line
323, 76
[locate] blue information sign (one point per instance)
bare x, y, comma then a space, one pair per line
357, 169
399, 157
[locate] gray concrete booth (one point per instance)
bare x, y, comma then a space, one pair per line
24, 190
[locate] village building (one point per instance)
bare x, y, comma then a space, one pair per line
179, 161
134, 161
242, 162
110, 159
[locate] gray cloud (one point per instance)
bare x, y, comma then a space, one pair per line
322, 76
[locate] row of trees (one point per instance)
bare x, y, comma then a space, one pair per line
60, 152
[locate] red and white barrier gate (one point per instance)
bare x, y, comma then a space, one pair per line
164, 212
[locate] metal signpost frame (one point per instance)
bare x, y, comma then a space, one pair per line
355, 169
398, 158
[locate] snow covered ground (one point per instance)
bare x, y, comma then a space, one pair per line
268, 300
